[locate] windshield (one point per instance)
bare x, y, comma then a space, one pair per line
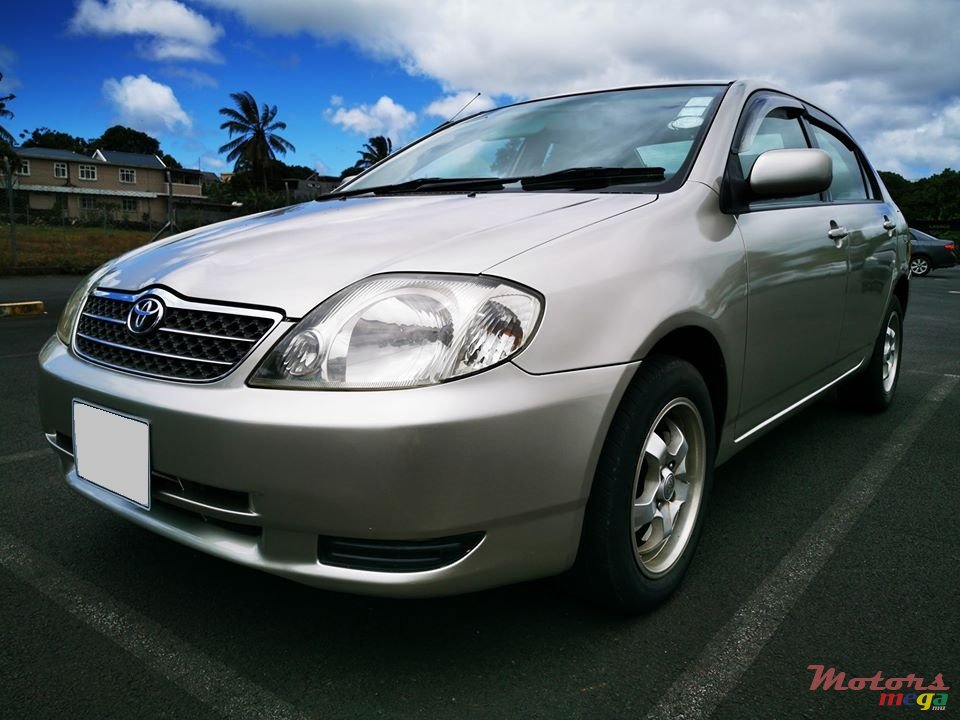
639, 128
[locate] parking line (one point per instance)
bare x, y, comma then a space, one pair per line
211, 682
23, 456
733, 649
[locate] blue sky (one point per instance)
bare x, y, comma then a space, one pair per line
343, 71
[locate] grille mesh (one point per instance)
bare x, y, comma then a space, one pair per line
208, 345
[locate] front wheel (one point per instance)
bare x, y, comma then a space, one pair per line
647, 504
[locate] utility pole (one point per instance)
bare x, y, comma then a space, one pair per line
171, 217
13, 219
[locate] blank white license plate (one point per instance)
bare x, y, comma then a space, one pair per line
112, 451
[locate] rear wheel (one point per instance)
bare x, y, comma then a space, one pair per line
873, 389
920, 265
646, 508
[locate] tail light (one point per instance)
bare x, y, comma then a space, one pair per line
950, 247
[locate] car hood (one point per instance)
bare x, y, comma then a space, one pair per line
296, 257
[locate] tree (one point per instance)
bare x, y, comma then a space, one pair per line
257, 144
374, 150
44, 137
5, 137
124, 139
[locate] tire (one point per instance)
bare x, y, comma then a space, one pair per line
873, 389
656, 467
920, 265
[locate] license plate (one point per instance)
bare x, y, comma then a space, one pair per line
113, 451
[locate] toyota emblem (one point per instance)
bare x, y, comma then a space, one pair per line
145, 315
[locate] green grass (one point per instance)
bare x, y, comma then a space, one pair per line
65, 249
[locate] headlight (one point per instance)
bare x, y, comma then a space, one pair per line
397, 331
69, 316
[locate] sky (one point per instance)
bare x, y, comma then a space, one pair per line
342, 71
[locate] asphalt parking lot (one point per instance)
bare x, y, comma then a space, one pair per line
833, 541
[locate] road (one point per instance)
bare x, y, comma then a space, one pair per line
833, 541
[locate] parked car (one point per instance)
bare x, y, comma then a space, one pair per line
515, 348
930, 253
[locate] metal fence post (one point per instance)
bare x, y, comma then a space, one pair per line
13, 219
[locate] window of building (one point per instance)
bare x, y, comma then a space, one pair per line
87, 202
59, 170
24, 168
130, 204
128, 175
88, 172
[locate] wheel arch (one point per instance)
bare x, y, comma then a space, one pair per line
699, 347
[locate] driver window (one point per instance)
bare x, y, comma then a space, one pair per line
776, 132
780, 129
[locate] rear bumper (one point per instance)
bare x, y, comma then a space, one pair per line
261, 476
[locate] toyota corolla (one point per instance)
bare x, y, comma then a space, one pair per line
515, 348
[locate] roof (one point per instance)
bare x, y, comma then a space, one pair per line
86, 191
115, 157
51, 154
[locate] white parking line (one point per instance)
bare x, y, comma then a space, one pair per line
210, 681
26, 455
731, 652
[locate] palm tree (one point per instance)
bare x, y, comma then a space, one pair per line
257, 145
5, 137
374, 150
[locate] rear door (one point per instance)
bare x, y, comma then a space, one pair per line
857, 207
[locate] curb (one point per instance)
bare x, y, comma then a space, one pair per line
31, 307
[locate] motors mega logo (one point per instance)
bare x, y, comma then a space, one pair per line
910, 690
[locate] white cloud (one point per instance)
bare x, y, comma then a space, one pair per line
449, 105
176, 32
878, 66
212, 163
933, 144
146, 105
336, 100
385, 117
194, 77
7, 59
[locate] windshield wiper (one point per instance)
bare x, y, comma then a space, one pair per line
588, 178
429, 184
581, 178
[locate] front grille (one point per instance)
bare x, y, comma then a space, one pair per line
395, 555
192, 344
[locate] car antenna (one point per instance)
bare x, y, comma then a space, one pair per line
469, 103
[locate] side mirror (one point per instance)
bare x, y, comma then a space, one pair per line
790, 173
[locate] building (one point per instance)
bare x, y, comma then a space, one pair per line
124, 186
299, 189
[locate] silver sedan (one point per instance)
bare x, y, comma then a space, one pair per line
514, 349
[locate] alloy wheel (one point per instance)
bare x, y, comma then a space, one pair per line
668, 487
891, 352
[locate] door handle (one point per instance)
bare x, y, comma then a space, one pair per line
888, 224
837, 233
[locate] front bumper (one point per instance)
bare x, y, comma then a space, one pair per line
503, 453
